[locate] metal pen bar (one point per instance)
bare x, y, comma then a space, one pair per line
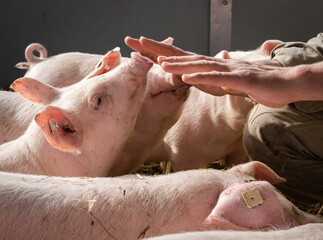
220, 25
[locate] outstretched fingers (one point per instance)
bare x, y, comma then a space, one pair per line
151, 48
136, 45
193, 66
187, 58
161, 48
227, 80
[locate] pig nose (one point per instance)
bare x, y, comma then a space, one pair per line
144, 62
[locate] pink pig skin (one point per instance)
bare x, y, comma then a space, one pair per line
59, 71
128, 207
161, 108
313, 231
210, 127
93, 119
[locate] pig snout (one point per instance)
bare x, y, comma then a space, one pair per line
248, 206
136, 70
140, 64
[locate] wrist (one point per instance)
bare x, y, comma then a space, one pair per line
309, 81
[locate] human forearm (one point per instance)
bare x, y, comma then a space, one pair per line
308, 81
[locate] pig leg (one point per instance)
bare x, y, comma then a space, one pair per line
238, 155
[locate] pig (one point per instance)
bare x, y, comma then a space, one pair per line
210, 127
59, 71
17, 112
162, 106
134, 207
82, 126
313, 231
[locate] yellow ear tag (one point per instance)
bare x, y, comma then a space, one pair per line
252, 198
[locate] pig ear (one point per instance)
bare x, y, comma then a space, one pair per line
22, 65
61, 130
34, 90
259, 171
108, 62
269, 45
223, 55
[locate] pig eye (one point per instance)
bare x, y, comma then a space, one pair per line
98, 101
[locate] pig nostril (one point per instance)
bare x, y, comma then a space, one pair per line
66, 129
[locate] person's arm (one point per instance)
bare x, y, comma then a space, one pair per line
296, 53
264, 81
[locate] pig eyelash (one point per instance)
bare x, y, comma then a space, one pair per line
249, 180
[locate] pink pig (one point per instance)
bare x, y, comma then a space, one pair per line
85, 125
134, 207
59, 71
17, 112
210, 127
162, 105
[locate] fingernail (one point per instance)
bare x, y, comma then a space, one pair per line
184, 77
164, 64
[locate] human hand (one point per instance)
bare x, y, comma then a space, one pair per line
263, 81
153, 49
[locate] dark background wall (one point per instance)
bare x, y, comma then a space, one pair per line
96, 26
100, 25
254, 21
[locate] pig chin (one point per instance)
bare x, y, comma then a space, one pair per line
177, 91
295, 217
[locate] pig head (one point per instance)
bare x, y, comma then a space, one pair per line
88, 122
256, 205
162, 106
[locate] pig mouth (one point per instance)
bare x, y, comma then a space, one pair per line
173, 89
